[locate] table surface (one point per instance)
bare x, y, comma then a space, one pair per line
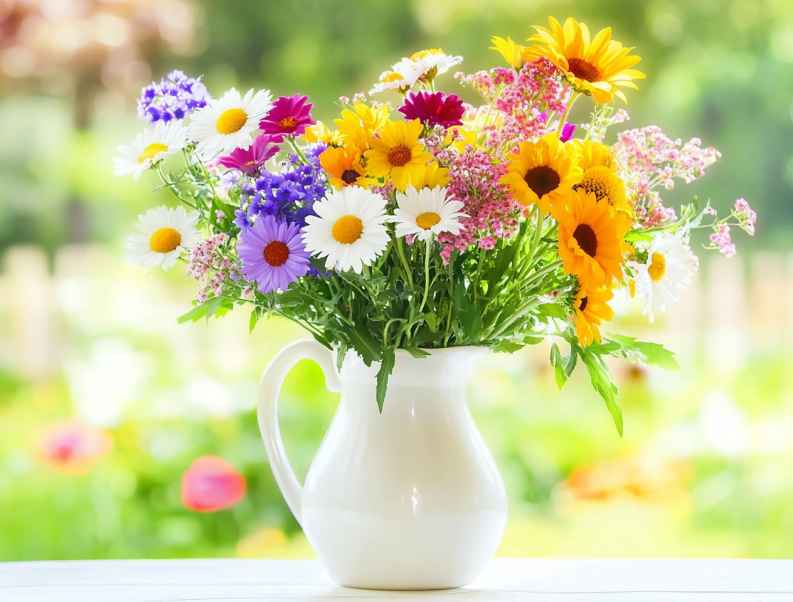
505, 579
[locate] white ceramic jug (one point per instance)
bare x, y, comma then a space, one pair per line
407, 499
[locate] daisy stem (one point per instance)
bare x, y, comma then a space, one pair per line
563, 118
296, 148
401, 253
426, 274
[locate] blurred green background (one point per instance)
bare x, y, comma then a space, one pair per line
89, 341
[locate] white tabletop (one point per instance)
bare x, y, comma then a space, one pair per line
505, 579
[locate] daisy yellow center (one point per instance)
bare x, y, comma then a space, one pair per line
151, 151
164, 240
583, 69
276, 253
288, 122
587, 239
391, 76
399, 155
230, 121
347, 229
657, 267
542, 179
349, 176
427, 220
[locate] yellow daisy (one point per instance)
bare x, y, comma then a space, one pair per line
590, 238
542, 172
597, 66
344, 168
359, 123
591, 308
434, 176
397, 154
319, 132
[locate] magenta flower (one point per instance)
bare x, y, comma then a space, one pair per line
290, 115
272, 253
433, 108
250, 160
212, 484
568, 129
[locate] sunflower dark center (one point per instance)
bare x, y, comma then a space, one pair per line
583, 69
583, 303
587, 239
594, 186
399, 155
349, 176
542, 179
276, 253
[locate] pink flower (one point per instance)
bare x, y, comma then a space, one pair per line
73, 447
568, 130
289, 115
212, 484
433, 108
721, 240
746, 216
250, 160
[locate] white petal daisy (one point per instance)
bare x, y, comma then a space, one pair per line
427, 212
162, 235
669, 269
230, 122
349, 229
154, 144
407, 71
433, 61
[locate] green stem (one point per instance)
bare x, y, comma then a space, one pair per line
426, 274
401, 253
291, 141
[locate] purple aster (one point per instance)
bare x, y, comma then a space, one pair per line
250, 160
174, 97
289, 115
568, 129
273, 254
433, 108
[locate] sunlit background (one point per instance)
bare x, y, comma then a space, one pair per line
109, 408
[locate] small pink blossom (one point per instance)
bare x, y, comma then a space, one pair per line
721, 240
73, 447
746, 216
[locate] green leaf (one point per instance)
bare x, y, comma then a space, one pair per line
558, 366
552, 310
255, 315
204, 310
432, 321
636, 350
341, 351
603, 385
386, 367
417, 352
507, 346
365, 344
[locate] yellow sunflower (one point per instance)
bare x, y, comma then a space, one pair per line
542, 172
344, 168
434, 176
319, 132
591, 308
397, 154
590, 238
360, 122
594, 154
599, 66
606, 185
513, 53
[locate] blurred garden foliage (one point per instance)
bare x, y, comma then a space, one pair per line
702, 470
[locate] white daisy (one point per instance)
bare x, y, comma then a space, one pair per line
230, 122
161, 237
422, 64
154, 144
669, 269
427, 212
434, 61
402, 75
349, 229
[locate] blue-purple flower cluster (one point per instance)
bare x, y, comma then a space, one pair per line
289, 195
174, 97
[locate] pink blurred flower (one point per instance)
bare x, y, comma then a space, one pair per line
73, 447
212, 484
721, 240
746, 216
250, 160
290, 115
433, 108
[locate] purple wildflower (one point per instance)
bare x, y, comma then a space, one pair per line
289, 115
174, 97
273, 254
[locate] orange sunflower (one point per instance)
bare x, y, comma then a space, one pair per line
591, 308
542, 172
591, 238
596, 66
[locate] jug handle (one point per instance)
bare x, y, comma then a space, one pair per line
269, 391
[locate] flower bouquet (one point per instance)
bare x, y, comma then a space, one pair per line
421, 221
